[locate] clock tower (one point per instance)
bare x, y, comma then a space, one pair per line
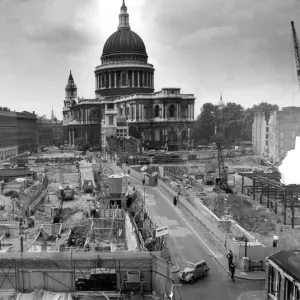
71, 91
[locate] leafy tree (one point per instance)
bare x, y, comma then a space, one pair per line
206, 121
230, 121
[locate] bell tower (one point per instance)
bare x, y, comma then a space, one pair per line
70, 90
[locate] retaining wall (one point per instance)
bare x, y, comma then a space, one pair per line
221, 229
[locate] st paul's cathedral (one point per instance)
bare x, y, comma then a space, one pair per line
125, 102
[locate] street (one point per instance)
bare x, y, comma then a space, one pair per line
218, 284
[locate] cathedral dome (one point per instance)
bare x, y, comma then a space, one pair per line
124, 41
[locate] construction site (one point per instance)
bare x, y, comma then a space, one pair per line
75, 208
245, 189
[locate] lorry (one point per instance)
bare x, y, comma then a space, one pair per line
66, 192
88, 186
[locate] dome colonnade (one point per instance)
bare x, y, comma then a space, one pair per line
124, 68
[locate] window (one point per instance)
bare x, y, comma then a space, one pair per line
156, 112
110, 106
111, 120
267, 136
266, 143
172, 111
267, 129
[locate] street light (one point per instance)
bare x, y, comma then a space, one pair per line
144, 182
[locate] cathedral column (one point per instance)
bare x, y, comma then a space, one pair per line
148, 79
96, 82
70, 142
115, 79
193, 111
109, 79
127, 77
138, 79
132, 78
73, 136
86, 136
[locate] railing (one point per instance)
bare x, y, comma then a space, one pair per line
122, 63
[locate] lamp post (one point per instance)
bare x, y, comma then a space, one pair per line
144, 182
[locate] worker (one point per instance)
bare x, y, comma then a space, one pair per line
230, 258
175, 200
232, 271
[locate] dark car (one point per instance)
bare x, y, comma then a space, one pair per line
193, 270
99, 280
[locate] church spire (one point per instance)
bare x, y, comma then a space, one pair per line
52, 114
123, 17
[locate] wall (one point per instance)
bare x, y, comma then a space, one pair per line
133, 173
259, 134
221, 229
58, 271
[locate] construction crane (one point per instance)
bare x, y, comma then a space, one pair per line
297, 51
219, 139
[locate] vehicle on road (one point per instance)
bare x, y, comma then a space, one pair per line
193, 270
99, 279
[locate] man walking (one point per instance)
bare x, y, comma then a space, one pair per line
230, 258
232, 271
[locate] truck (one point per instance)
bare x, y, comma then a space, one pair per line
66, 192
99, 279
88, 186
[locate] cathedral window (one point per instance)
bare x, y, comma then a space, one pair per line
156, 112
111, 120
110, 106
172, 111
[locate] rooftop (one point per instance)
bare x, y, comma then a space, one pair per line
289, 261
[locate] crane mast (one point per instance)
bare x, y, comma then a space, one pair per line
297, 51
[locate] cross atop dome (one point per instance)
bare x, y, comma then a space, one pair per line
123, 17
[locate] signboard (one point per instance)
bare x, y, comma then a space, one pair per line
161, 231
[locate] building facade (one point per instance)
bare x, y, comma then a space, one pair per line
44, 131
273, 137
8, 133
125, 102
27, 131
283, 275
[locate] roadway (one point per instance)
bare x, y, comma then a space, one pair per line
186, 243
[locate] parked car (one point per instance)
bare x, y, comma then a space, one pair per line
193, 270
100, 279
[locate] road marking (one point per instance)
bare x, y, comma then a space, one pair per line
192, 229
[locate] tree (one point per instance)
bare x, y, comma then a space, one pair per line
230, 121
206, 121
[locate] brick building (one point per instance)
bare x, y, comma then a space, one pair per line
124, 88
8, 133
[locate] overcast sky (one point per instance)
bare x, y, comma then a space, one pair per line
242, 48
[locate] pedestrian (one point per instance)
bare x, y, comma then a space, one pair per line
143, 181
230, 258
175, 200
232, 271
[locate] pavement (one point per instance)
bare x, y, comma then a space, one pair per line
189, 241
253, 295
